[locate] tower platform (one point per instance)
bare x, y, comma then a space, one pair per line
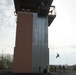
32, 5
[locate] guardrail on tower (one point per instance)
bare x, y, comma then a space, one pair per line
52, 10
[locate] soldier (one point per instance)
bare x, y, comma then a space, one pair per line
58, 55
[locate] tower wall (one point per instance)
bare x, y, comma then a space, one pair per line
40, 53
31, 49
23, 47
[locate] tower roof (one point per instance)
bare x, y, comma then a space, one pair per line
30, 4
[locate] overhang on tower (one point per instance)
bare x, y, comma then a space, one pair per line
34, 6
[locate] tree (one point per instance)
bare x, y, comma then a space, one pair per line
9, 61
6, 62
3, 65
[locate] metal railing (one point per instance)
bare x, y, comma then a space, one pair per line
52, 10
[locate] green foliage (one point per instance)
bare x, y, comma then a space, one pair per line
3, 65
6, 62
9, 61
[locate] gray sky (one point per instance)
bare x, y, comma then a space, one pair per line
62, 32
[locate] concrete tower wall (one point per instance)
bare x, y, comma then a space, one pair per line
40, 52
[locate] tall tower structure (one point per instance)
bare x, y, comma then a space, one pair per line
31, 52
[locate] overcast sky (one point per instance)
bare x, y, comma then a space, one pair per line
62, 32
